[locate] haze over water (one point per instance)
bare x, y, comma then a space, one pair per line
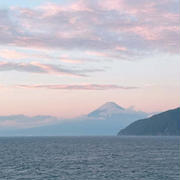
90, 158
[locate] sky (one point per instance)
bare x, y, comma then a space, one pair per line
67, 57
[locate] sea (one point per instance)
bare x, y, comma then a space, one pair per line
90, 158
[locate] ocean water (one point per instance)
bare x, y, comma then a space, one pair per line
90, 158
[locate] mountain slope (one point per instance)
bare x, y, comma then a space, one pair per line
165, 123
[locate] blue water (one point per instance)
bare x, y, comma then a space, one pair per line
90, 158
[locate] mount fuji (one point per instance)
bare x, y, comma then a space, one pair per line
112, 115
105, 120
107, 109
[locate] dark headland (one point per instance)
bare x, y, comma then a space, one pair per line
164, 124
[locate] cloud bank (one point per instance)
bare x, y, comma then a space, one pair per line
121, 27
36, 67
80, 87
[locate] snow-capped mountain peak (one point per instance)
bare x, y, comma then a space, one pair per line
107, 109
110, 106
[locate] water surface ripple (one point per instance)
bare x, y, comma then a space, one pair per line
90, 158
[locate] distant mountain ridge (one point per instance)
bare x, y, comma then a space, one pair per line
165, 123
105, 120
23, 121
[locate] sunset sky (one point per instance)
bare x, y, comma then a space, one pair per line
67, 57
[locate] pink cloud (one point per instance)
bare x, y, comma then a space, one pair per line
51, 9
79, 5
71, 61
36, 67
79, 87
12, 54
121, 48
95, 53
112, 5
95, 26
145, 32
